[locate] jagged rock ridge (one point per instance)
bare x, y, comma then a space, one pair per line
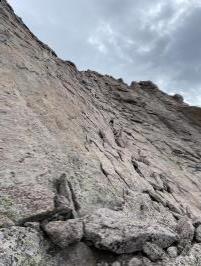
93, 171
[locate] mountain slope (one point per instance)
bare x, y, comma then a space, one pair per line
92, 170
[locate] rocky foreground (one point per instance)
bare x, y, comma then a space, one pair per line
92, 171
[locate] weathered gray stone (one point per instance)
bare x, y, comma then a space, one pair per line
129, 148
5, 221
172, 252
184, 247
64, 233
120, 233
21, 246
153, 251
179, 98
185, 229
116, 263
22, 202
135, 262
34, 225
186, 232
148, 262
193, 258
75, 255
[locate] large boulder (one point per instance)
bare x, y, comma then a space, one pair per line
121, 233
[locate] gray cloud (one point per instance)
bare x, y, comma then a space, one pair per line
137, 40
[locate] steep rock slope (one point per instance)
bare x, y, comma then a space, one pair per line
93, 171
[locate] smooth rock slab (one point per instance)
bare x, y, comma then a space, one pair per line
64, 233
121, 233
21, 202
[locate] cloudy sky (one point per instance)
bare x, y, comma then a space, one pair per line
134, 39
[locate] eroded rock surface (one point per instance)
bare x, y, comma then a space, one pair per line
81, 146
22, 246
122, 233
65, 233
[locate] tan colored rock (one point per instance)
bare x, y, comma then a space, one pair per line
131, 149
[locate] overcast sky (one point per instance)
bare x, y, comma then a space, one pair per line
134, 39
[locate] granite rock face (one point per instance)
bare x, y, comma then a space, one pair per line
22, 246
92, 171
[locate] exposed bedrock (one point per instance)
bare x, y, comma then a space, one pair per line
92, 171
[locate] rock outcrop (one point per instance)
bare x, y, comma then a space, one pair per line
92, 171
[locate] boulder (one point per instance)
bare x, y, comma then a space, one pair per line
179, 98
135, 262
78, 254
119, 232
185, 229
172, 252
153, 251
64, 233
186, 232
192, 258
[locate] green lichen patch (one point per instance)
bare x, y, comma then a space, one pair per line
8, 209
